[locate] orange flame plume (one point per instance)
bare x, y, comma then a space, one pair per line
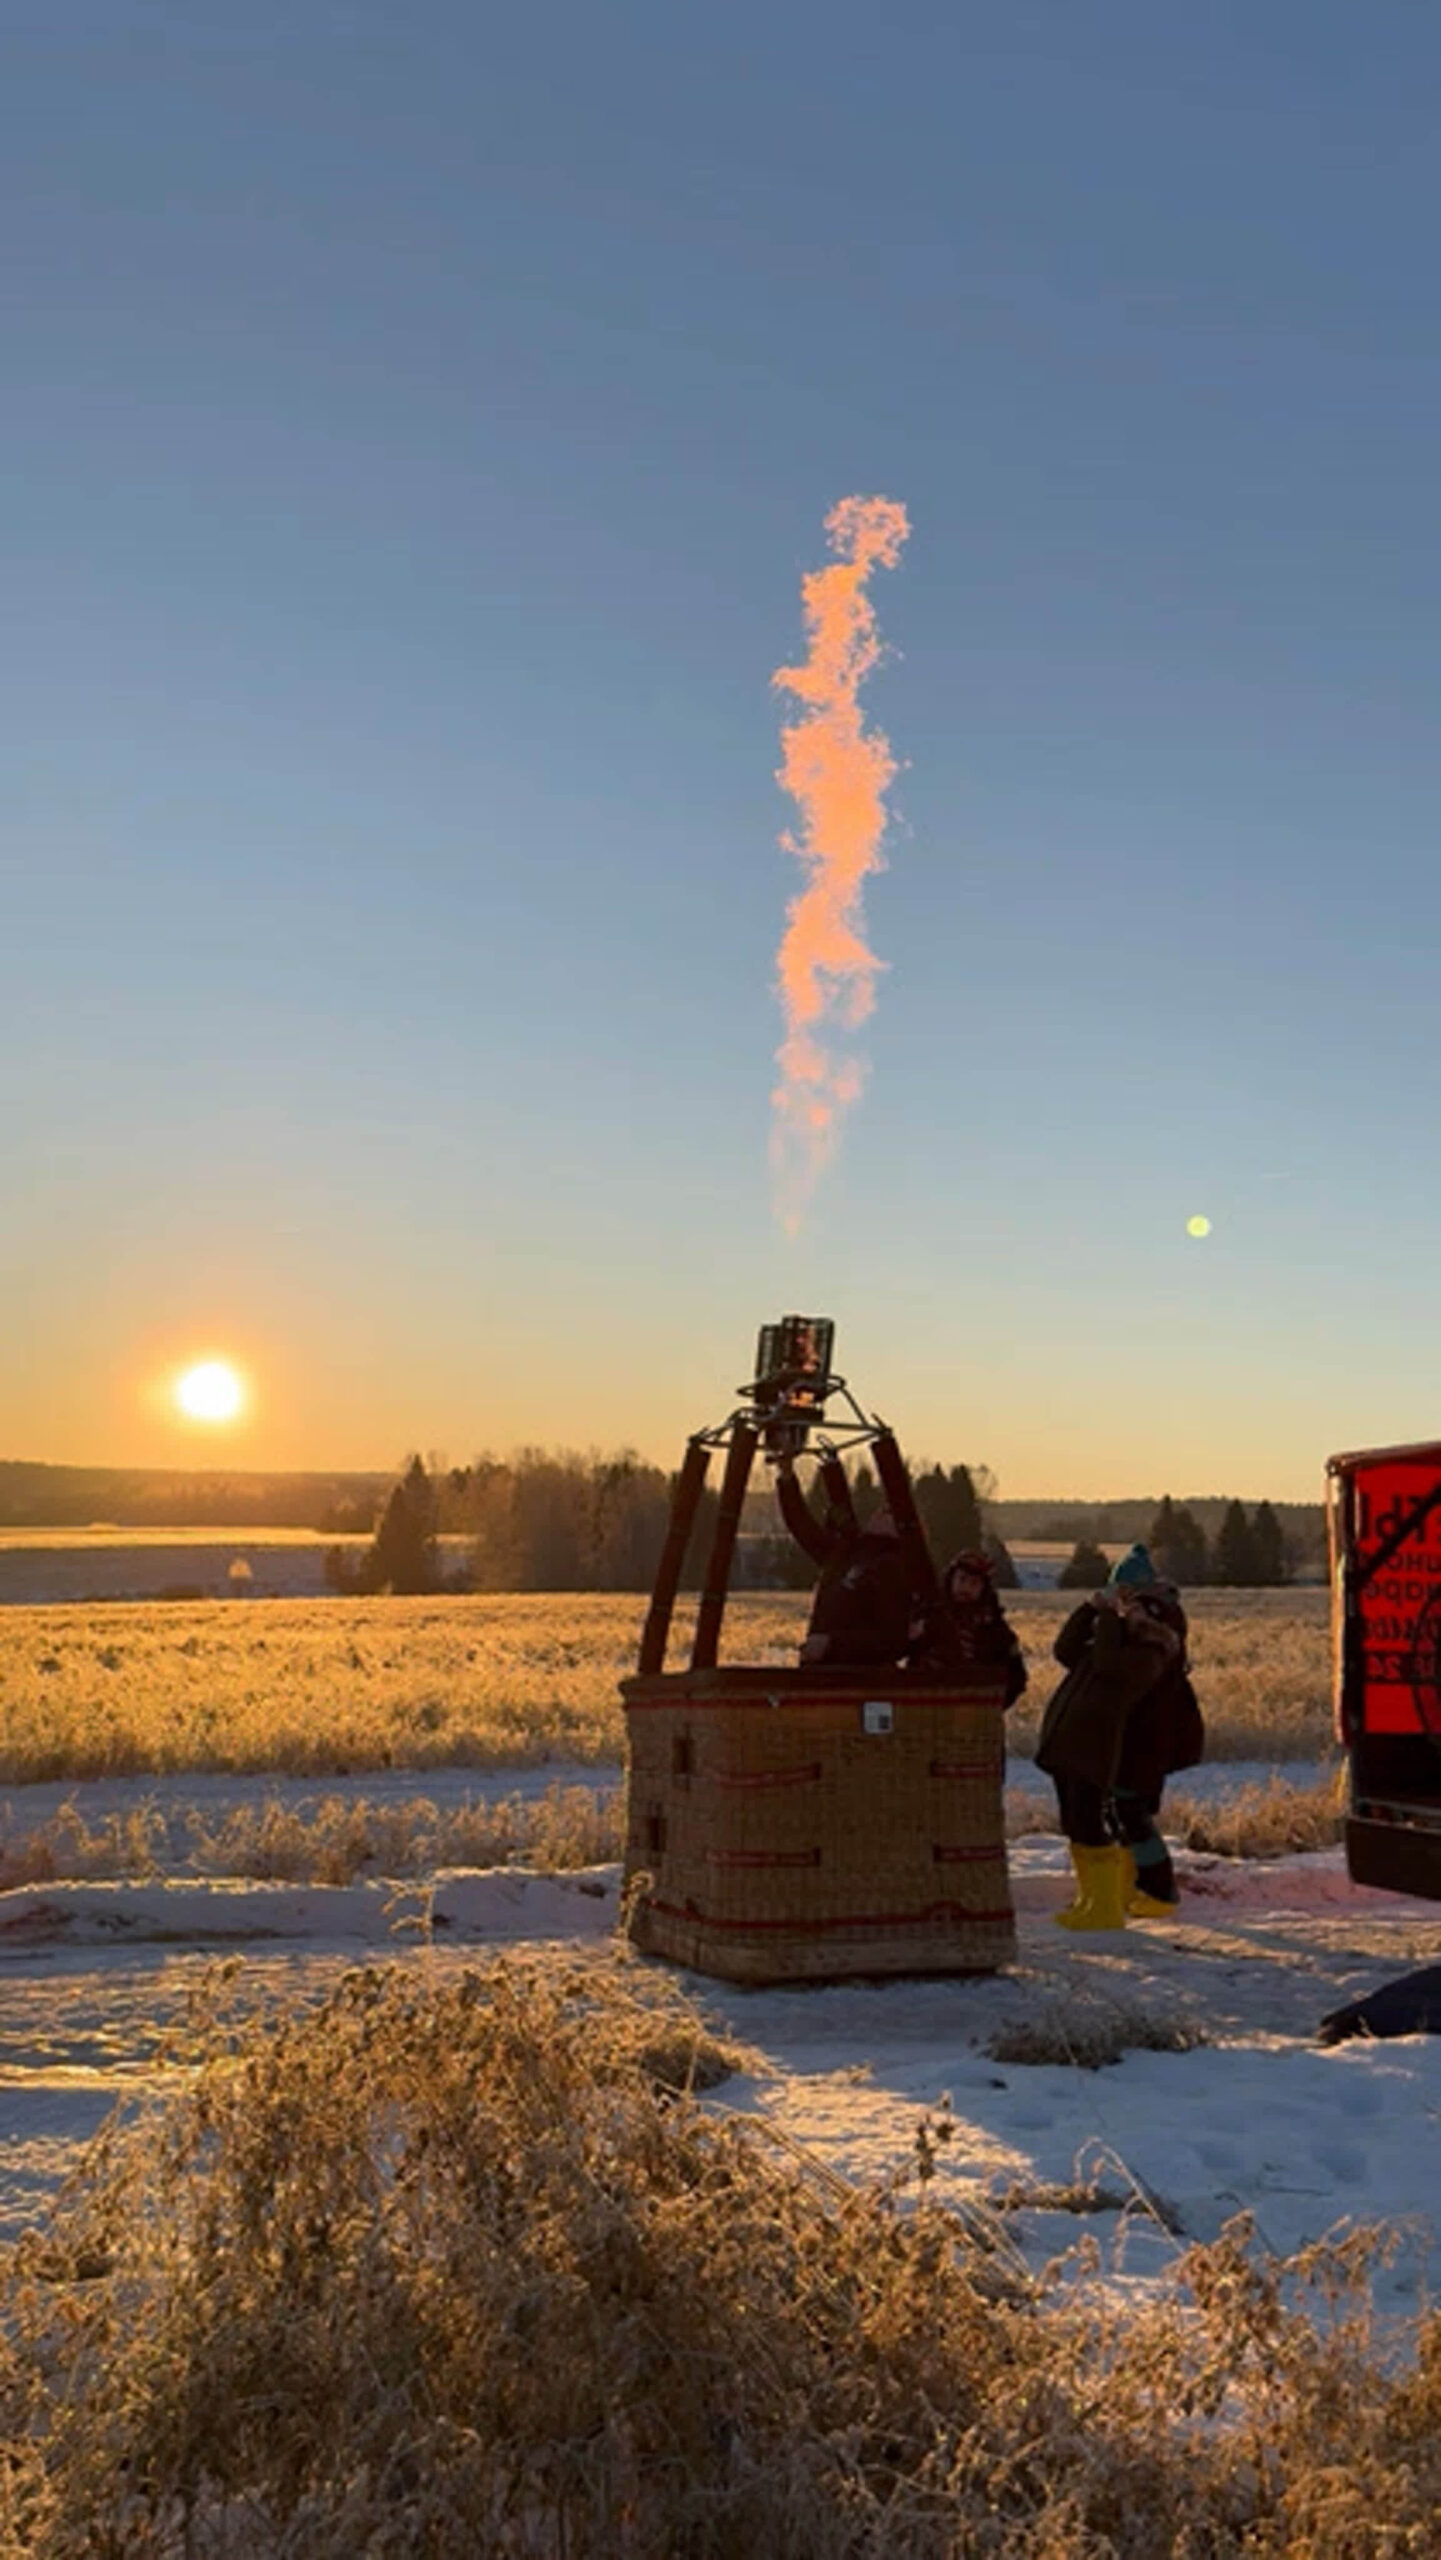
838, 775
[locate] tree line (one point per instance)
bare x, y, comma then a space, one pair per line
548, 1520
1248, 1554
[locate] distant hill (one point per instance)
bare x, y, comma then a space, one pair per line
41, 1497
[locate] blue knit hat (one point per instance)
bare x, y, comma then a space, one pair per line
1134, 1569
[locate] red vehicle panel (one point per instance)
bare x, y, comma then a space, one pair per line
1385, 1521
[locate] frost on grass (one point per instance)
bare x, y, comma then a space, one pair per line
328, 1840
320, 1687
1088, 2032
1273, 1820
335, 1839
438, 2270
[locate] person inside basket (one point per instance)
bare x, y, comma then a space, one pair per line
966, 1626
862, 1610
1123, 1719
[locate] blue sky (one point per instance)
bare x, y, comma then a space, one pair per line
417, 426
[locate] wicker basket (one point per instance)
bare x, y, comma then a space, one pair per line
798, 1826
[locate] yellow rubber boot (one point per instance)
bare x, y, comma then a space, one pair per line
1149, 1906
1078, 1862
1106, 1879
1087, 1864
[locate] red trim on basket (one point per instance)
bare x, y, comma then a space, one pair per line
769, 1701
814, 1928
804, 1774
945, 1857
965, 1768
762, 1857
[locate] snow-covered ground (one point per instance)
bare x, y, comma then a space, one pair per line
1163, 2147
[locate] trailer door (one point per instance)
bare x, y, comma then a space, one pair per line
1386, 1557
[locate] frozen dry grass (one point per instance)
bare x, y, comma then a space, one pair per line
442, 2270
1270, 1821
311, 1686
317, 1687
335, 1839
1088, 2031
330, 1840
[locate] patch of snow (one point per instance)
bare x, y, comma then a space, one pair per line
500, 1904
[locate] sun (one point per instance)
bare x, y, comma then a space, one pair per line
211, 1391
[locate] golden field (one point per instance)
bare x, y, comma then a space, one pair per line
320, 1687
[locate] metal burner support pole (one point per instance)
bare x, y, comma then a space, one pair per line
685, 1502
728, 1520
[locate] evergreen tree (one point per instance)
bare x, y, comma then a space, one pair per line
1086, 1569
551, 1520
1177, 1543
950, 1512
403, 1555
628, 1513
549, 1507
1161, 1537
1236, 1558
1268, 1540
1003, 1564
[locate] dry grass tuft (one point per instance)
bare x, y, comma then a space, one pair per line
1077, 2195
118, 1844
1270, 1821
337, 1839
332, 1840
1088, 2033
1029, 1816
438, 2270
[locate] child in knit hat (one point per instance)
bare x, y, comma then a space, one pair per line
1132, 1571
1122, 1720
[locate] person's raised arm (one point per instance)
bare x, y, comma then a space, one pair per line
1076, 1635
810, 1536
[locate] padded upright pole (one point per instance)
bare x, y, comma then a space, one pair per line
896, 1485
728, 1520
684, 1504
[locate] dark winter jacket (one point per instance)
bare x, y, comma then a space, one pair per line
1125, 1714
862, 1609
948, 1640
861, 1612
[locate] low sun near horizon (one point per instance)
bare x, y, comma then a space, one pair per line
210, 1391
